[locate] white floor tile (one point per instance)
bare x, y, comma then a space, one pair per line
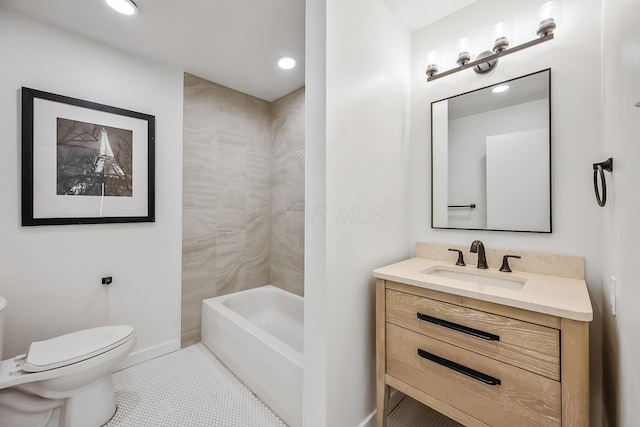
187, 388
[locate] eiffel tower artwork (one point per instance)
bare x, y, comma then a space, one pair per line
93, 160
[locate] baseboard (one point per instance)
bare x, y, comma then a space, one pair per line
150, 353
370, 421
394, 399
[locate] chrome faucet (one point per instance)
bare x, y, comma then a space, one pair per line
478, 247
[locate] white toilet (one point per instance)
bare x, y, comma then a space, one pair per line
64, 381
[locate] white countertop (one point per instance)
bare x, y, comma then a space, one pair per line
557, 296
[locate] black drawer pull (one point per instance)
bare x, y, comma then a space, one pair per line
476, 375
460, 328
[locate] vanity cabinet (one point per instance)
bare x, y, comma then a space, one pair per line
480, 363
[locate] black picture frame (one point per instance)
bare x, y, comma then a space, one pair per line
77, 178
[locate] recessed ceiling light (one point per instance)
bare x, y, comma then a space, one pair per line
499, 89
126, 7
286, 62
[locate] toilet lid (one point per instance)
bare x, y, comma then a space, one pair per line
75, 347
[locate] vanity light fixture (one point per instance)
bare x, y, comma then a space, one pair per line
126, 7
550, 16
286, 62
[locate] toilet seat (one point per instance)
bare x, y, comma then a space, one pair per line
71, 376
74, 347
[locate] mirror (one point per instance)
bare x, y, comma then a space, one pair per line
491, 157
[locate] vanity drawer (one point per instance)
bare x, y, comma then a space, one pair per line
525, 345
517, 397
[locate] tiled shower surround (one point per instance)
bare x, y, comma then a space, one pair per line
287, 193
243, 195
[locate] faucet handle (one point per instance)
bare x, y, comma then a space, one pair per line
460, 257
505, 262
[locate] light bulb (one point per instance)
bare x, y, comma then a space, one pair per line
464, 45
464, 51
500, 88
432, 57
126, 7
286, 62
500, 30
501, 40
432, 66
547, 10
550, 16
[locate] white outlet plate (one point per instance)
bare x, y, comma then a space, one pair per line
612, 294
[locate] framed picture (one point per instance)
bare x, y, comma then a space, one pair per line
85, 163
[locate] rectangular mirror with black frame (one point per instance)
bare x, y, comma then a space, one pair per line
491, 157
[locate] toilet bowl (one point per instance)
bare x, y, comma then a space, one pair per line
64, 381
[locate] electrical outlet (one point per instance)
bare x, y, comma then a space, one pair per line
107, 280
612, 294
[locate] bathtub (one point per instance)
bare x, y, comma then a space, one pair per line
258, 335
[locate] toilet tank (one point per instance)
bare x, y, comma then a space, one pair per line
3, 304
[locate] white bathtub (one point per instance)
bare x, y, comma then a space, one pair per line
258, 335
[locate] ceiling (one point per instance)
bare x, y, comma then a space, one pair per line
235, 43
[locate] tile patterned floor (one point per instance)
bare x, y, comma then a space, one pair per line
187, 388
191, 388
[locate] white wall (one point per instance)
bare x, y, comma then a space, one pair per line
315, 246
51, 274
363, 161
621, 140
575, 131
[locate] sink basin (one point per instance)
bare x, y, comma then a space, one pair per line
480, 277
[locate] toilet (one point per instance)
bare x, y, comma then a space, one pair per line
64, 381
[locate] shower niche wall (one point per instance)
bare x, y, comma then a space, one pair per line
243, 195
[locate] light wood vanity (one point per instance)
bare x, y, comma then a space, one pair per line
486, 355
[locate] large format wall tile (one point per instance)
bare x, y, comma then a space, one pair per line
243, 195
294, 260
287, 193
258, 235
199, 166
231, 261
295, 180
199, 267
257, 189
